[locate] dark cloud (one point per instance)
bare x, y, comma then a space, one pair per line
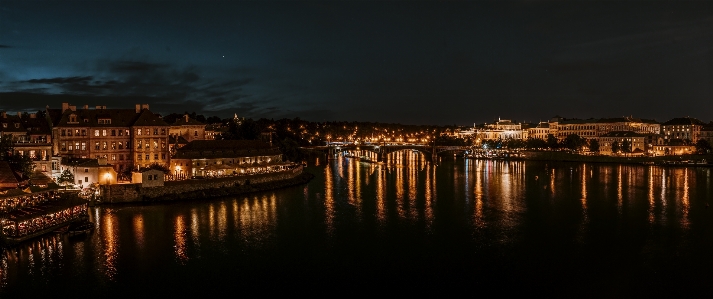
5, 47
63, 80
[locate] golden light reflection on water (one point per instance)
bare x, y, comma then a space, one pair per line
650, 195
329, 199
110, 233
381, 194
195, 228
138, 223
479, 220
179, 237
619, 191
222, 221
685, 204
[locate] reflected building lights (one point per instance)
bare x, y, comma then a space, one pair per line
329, 199
111, 244
138, 223
180, 240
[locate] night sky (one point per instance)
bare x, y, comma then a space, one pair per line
394, 61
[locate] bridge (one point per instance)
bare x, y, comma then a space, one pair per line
381, 152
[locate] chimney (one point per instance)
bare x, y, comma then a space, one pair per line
86, 107
33, 115
145, 106
4, 114
186, 117
73, 108
65, 106
19, 114
138, 108
101, 161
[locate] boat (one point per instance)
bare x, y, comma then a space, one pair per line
80, 227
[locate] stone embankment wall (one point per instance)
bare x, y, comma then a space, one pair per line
203, 188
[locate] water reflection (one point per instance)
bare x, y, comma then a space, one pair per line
497, 204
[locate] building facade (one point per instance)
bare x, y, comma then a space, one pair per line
127, 138
682, 128
225, 157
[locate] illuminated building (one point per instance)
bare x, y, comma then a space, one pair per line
90, 171
127, 138
225, 157
31, 136
682, 128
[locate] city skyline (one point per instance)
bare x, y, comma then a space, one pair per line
391, 62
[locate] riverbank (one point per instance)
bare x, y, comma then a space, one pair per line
303, 178
202, 188
679, 160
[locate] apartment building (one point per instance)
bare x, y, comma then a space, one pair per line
683, 128
31, 136
127, 138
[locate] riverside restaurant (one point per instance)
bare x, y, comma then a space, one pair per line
33, 211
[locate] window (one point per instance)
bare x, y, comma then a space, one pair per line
84, 132
163, 131
148, 145
155, 156
138, 131
113, 157
113, 145
86, 179
62, 132
103, 132
163, 143
195, 133
163, 156
121, 157
150, 177
63, 146
138, 144
138, 157
155, 144
69, 132
104, 145
76, 132
147, 131
127, 132
155, 131
147, 157
4, 125
76, 145
96, 132
121, 145
113, 132
86, 169
96, 145
121, 133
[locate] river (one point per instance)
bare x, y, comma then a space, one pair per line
409, 227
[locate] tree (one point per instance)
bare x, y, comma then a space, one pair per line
615, 147
574, 142
703, 147
552, 141
594, 145
626, 146
22, 164
65, 178
535, 143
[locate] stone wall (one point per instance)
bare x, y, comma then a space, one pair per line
188, 189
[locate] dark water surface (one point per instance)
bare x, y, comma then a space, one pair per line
481, 227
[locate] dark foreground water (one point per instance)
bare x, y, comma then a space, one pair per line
482, 228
